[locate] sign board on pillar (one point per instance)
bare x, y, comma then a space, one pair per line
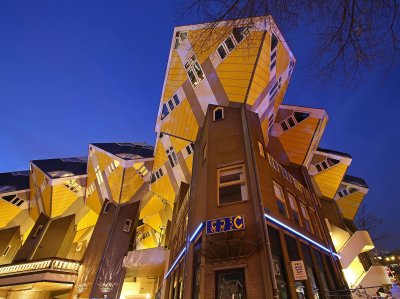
299, 271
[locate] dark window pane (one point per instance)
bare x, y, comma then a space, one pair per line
284, 126
290, 122
274, 41
164, 112
229, 178
221, 52
218, 114
281, 208
229, 44
324, 165
239, 33
198, 70
332, 162
273, 55
230, 194
318, 167
171, 105
176, 99
300, 116
308, 225
296, 217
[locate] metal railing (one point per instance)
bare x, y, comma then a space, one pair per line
54, 264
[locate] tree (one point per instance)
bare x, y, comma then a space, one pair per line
353, 35
366, 220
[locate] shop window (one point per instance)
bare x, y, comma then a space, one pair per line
127, 225
231, 185
280, 200
308, 263
261, 149
306, 218
218, 113
295, 209
230, 284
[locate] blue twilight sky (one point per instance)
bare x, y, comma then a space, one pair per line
75, 72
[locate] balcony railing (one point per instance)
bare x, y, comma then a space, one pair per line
58, 265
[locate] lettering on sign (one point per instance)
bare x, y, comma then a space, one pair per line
225, 224
299, 271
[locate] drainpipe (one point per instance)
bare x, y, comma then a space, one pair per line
259, 210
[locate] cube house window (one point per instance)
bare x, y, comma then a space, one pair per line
231, 185
218, 113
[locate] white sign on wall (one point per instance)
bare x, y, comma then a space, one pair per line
299, 271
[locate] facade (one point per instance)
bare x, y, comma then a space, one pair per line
235, 200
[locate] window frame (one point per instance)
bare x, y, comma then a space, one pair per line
295, 208
189, 66
223, 113
241, 182
127, 225
306, 218
282, 200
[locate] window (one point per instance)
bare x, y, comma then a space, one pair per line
172, 103
194, 71
293, 120
6, 250
280, 200
229, 44
306, 217
239, 33
295, 209
275, 88
38, 230
344, 192
173, 159
329, 162
106, 207
313, 217
218, 113
231, 185
274, 41
204, 152
127, 225
179, 38
230, 284
99, 175
261, 149
271, 122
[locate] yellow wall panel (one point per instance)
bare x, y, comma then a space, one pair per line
115, 181
181, 122
88, 220
7, 212
176, 76
163, 187
282, 60
328, 181
62, 199
93, 202
160, 157
132, 182
349, 204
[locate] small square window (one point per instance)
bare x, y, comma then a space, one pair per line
218, 113
38, 230
284, 126
221, 51
291, 122
229, 44
127, 225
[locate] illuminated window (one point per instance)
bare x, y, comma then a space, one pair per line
127, 225
261, 149
295, 209
293, 120
306, 217
218, 113
194, 71
231, 185
280, 200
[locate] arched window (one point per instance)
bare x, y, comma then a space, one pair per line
218, 113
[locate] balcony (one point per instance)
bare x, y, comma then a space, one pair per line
54, 270
359, 242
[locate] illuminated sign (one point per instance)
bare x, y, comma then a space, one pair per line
299, 271
225, 224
